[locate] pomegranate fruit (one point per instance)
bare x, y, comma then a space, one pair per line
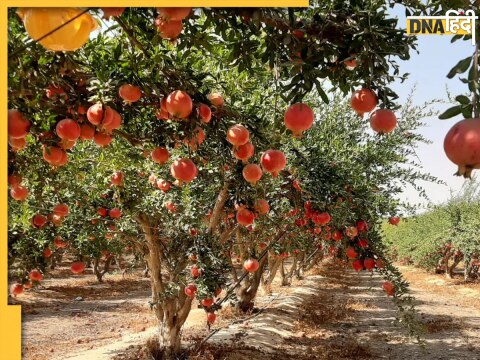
244, 152
160, 155
211, 317
68, 129
115, 213
351, 253
19, 193
251, 265
18, 125
357, 265
299, 118
164, 185
273, 161
174, 13
112, 11
60, 210
383, 121
389, 288
394, 220
35, 275
16, 289
184, 170
216, 99
363, 101
77, 267
261, 206
204, 113
462, 146
102, 139
207, 302
130, 93
245, 217
117, 178
39, 221
190, 290
238, 135
369, 264
179, 104
169, 29
252, 173
87, 132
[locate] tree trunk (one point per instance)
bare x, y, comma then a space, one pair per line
313, 259
287, 277
451, 268
247, 292
272, 269
171, 311
299, 269
99, 273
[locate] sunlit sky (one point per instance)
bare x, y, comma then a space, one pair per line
428, 71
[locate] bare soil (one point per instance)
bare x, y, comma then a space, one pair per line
331, 314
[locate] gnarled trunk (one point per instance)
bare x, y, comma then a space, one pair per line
248, 290
171, 311
99, 273
272, 269
450, 268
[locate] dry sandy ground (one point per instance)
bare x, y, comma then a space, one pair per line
342, 316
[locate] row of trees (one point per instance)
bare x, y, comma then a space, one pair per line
443, 237
178, 150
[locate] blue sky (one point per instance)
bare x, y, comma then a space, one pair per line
428, 71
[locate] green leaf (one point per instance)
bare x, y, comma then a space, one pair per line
462, 99
460, 68
449, 113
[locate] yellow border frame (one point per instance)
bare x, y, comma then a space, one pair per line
10, 316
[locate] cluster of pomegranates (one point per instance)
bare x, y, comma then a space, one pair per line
383, 121
169, 23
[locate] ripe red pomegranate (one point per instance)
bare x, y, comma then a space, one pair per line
252, 173
60, 210
363, 100
59, 243
39, 221
54, 90
102, 211
298, 118
351, 253
18, 125
17, 144
380, 263
394, 220
130, 93
362, 225
207, 302
351, 231
16, 289
218, 291
52, 155
163, 185
97, 115
114, 123
389, 288
357, 265
179, 104
102, 139
160, 155
28, 285
35, 275
68, 129
115, 213
117, 178
184, 170
273, 161
383, 121
245, 217
462, 146
211, 317
261, 206
174, 13
193, 231
171, 206
204, 113
47, 252
244, 152
14, 179
190, 290
369, 264
195, 271
238, 135
363, 243
19, 193
216, 99
328, 236
112, 11
169, 29
317, 230
337, 235
322, 218
77, 267
87, 132
251, 265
